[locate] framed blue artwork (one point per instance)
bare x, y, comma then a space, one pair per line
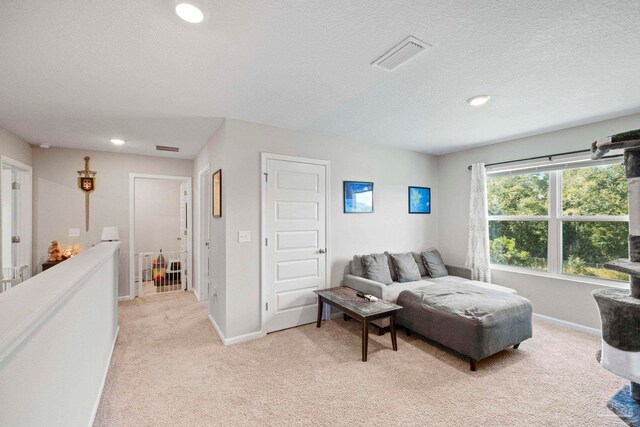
358, 197
419, 200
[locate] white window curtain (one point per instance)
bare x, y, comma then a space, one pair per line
478, 258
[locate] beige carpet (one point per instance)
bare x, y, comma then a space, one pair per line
170, 369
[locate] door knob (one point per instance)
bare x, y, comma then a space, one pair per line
322, 251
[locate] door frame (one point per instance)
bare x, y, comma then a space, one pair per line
132, 225
26, 210
203, 218
264, 291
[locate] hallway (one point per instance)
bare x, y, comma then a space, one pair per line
169, 368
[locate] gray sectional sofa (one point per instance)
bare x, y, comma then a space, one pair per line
354, 278
475, 319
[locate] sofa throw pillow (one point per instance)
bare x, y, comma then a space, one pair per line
392, 268
376, 268
406, 267
419, 261
356, 266
434, 263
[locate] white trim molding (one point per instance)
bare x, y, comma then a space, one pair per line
234, 340
570, 325
132, 224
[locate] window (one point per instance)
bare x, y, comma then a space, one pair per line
567, 220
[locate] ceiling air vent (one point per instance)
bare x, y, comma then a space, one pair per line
401, 53
165, 148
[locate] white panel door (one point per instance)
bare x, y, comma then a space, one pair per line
296, 242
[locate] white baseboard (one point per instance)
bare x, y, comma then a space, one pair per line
570, 325
104, 379
217, 328
124, 298
234, 340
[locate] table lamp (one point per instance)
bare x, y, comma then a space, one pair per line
110, 234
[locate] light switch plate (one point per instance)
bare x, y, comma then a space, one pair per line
244, 236
74, 232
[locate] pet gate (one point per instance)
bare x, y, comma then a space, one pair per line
161, 272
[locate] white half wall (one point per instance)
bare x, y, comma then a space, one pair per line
57, 334
565, 299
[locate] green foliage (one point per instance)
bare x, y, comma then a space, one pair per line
519, 194
600, 190
576, 266
519, 243
586, 246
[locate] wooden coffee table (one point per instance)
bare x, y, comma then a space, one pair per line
346, 300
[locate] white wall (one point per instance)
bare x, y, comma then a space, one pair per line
389, 228
157, 205
59, 203
213, 156
13, 146
568, 300
57, 333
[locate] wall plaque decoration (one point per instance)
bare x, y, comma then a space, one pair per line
87, 183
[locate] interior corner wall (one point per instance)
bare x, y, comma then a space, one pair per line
17, 149
568, 300
59, 203
389, 228
213, 155
14, 147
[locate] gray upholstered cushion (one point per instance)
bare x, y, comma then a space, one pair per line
392, 268
406, 267
376, 268
356, 266
420, 263
434, 263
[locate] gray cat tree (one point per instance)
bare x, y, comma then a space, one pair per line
620, 309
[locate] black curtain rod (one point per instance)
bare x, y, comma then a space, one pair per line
549, 156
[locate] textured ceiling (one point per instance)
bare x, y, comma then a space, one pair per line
76, 73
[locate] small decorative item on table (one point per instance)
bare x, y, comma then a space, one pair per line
358, 197
55, 254
419, 200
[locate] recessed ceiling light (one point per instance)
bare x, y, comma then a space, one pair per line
476, 101
44, 146
116, 141
190, 13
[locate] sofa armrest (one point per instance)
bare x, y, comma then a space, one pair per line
460, 271
367, 286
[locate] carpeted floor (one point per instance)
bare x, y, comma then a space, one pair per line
170, 369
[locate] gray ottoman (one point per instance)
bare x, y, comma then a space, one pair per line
473, 321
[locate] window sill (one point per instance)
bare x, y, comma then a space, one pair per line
568, 277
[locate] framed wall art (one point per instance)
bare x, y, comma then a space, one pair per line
419, 200
358, 197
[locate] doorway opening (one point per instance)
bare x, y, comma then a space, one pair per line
16, 220
204, 235
160, 234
